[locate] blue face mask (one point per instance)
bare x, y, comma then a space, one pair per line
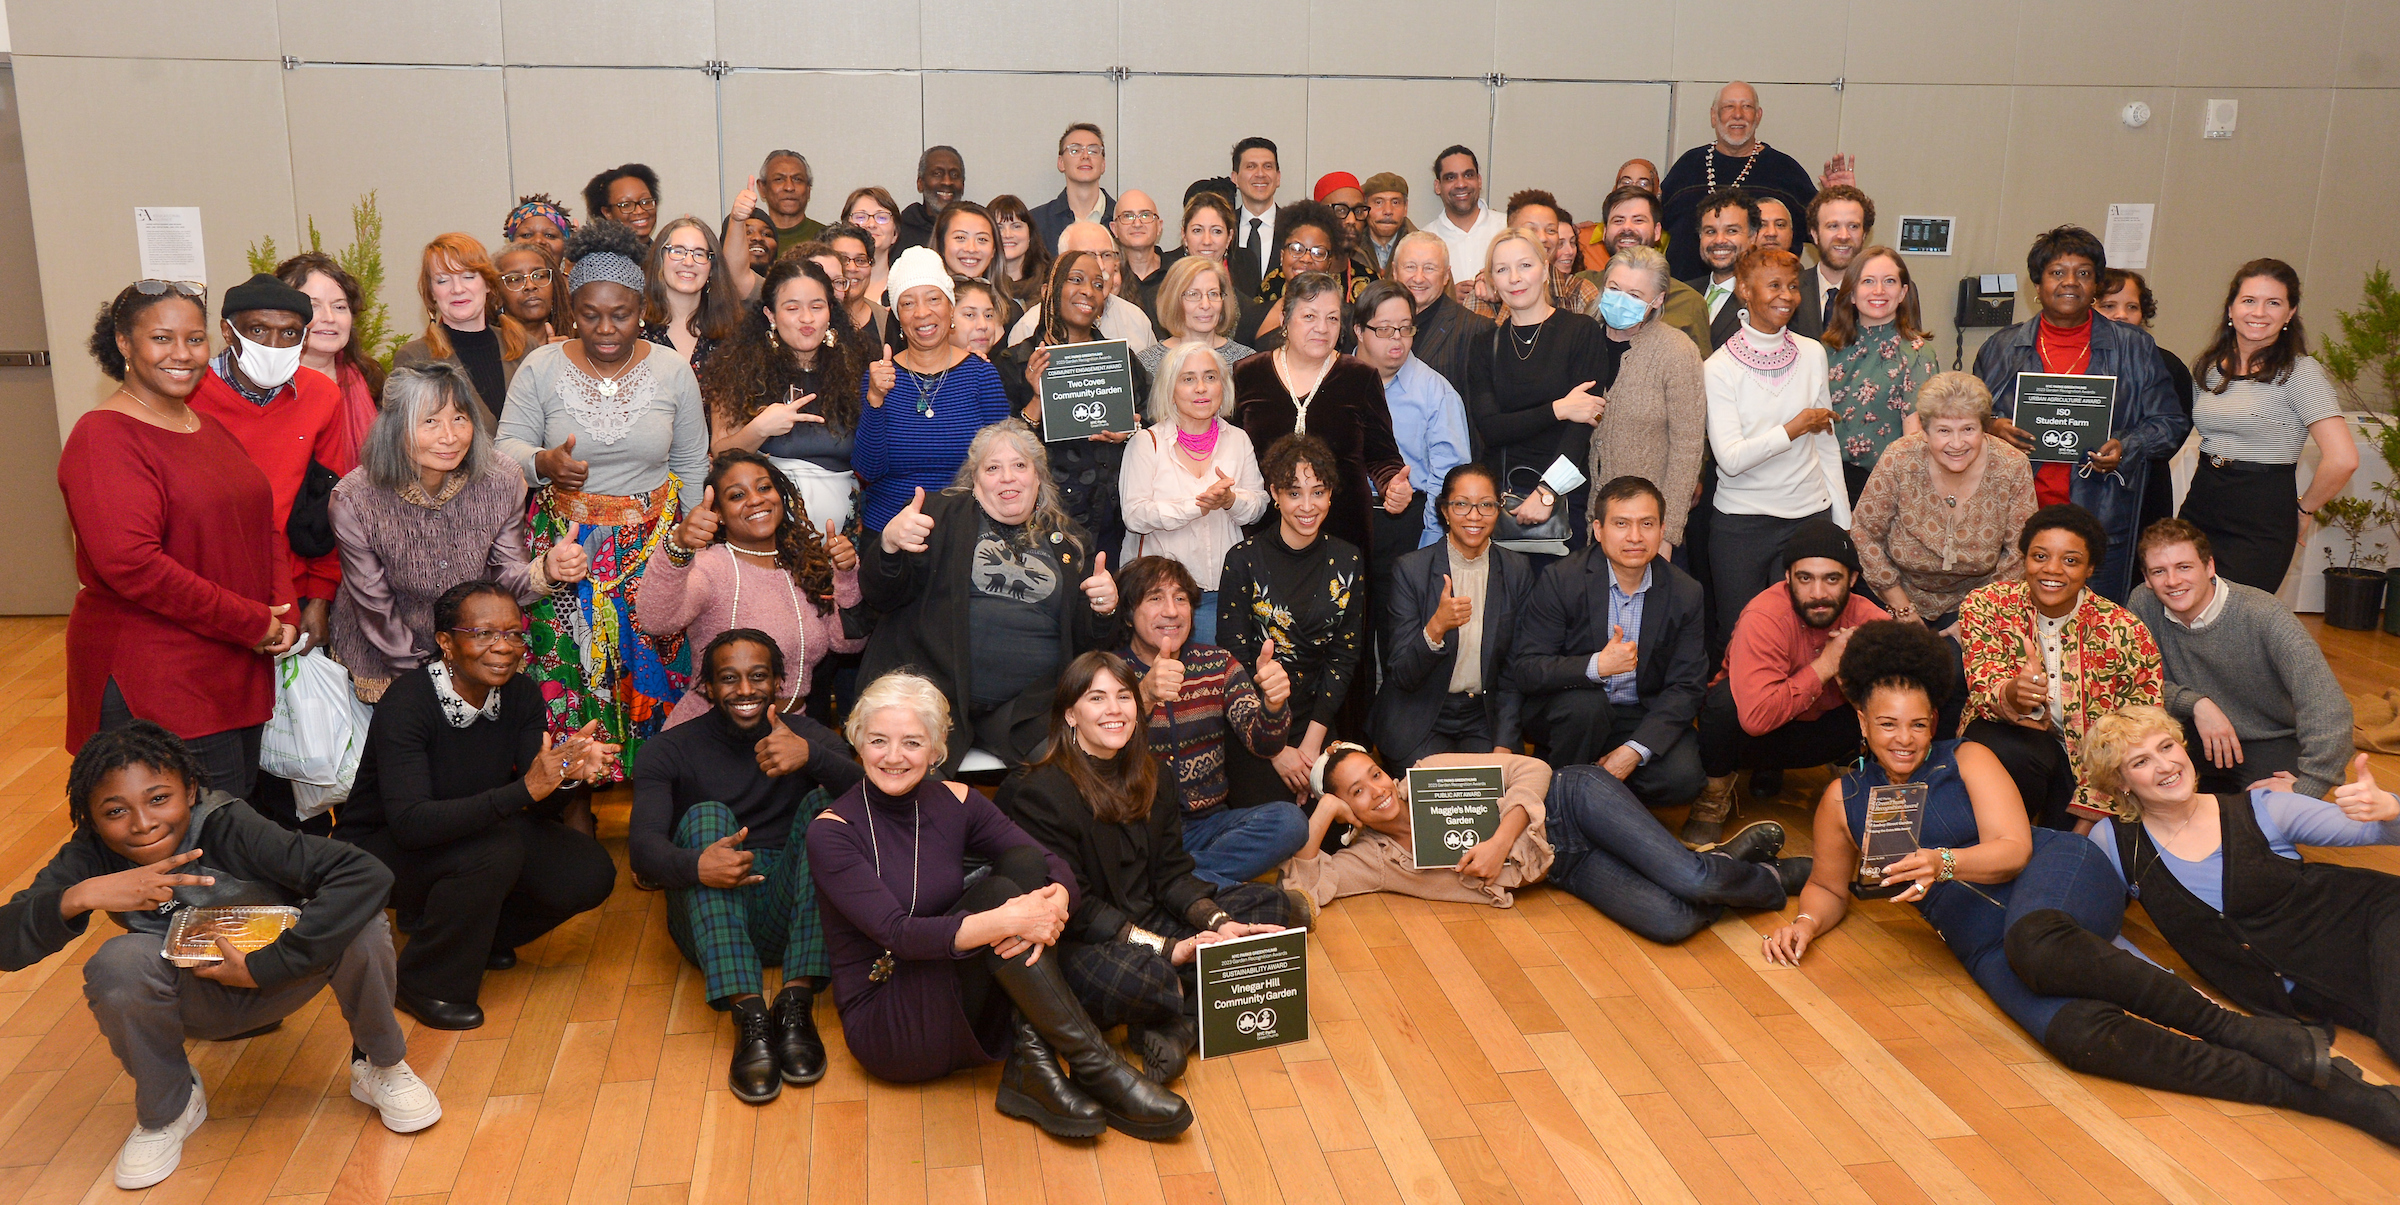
1622, 310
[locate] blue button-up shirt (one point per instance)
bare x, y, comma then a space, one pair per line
1625, 614
1429, 422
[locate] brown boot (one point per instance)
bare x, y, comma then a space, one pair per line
1716, 805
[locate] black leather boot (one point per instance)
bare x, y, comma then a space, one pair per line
2099, 1038
1133, 1105
1166, 1049
799, 1052
753, 1076
1032, 1088
2057, 957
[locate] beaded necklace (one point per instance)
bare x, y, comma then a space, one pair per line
884, 964
1748, 161
733, 619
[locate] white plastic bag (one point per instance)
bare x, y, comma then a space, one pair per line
317, 733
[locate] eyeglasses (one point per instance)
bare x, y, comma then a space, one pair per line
1350, 211
1400, 331
1192, 295
635, 205
1107, 257
1137, 215
1460, 506
689, 255
519, 280
1305, 251
160, 288
854, 261
1083, 148
870, 217
486, 637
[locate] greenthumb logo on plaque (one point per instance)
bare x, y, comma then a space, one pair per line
1087, 389
1253, 992
1895, 820
1451, 809
2068, 416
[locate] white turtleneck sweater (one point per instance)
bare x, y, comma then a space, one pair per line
1760, 470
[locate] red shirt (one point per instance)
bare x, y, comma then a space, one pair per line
179, 555
1768, 660
2063, 349
302, 423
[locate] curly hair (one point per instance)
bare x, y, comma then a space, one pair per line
1890, 654
755, 369
1281, 465
2073, 519
454, 600
602, 235
117, 316
1320, 215
140, 743
799, 546
296, 271
595, 192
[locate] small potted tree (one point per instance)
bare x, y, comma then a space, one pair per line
2354, 589
2365, 360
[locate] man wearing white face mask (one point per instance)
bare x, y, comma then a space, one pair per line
286, 417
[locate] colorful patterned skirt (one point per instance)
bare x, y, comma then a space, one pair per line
593, 663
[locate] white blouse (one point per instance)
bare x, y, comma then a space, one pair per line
1760, 470
1158, 492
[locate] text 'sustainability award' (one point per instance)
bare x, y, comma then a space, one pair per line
1253, 992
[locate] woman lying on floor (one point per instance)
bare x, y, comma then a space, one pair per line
2031, 912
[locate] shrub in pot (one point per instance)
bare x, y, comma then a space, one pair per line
2354, 590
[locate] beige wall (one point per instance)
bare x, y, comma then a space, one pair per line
2002, 113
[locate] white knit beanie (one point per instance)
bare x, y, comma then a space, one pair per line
919, 266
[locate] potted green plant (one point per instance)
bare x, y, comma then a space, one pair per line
2364, 359
2354, 589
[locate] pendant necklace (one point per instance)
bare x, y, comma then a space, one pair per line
799, 622
188, 415
1748, 161
607, 386
884, 965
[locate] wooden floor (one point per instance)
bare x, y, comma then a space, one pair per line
1462, 1054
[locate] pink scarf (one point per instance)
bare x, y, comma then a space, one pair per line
1202, 446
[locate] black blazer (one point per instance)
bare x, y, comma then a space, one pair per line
1242, 264
1566, 621
1127, 872
1728, 320
1808, 318
1416, 680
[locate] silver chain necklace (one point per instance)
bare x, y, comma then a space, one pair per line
799, 622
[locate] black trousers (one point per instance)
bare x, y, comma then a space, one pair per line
2260, 759
1013, 873
2038, 762
2251, 513
1120, 983
1579, 727
1726, 748
228, 759
496, 890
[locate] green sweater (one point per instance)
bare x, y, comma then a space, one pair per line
2259, 666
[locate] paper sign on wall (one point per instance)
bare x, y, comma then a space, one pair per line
2127, 240
170, 241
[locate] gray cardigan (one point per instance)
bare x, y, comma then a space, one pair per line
670, 437
2258, 665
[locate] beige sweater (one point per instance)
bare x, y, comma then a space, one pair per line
1656, 424
1375, 861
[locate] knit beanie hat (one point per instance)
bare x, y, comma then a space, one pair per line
1333, 182
1821, 537
919, 266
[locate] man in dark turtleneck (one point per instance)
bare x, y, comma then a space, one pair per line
719, 803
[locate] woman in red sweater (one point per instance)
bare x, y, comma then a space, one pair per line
185, 582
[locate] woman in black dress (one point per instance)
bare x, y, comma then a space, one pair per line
1536, 385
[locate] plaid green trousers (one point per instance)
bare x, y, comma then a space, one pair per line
731, 932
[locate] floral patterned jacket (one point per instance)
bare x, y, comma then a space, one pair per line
2110, 663
1874, 383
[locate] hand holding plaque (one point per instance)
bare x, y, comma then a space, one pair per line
1895, 819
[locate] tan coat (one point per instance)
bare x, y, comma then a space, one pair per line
1376, 862
1656, 424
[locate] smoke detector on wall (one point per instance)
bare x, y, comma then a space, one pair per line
2136, 115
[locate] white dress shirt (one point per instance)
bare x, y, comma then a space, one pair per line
1467, 247
1266, 234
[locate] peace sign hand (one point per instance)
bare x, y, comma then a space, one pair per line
137, 890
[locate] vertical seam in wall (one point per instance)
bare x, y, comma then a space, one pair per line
508, 124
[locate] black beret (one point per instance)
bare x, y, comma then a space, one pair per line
264, 292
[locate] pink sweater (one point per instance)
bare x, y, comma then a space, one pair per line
699, 601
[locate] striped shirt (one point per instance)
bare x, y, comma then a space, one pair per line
2260, 422
900, 446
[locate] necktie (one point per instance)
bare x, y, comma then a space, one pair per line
1257, 248
1826, 310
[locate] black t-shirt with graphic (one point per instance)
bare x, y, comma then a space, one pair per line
1014, 613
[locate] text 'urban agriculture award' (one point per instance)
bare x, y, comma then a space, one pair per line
2067, 415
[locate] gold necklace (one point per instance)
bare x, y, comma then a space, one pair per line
187, 411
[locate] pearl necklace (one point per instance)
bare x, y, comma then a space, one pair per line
799, 624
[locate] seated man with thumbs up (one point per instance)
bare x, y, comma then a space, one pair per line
717, 805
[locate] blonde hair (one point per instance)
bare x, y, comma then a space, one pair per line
1527, 234
913, 693
1953, 395
1049, 513
1162, 385
2114, 736
1419, 238
1179, 278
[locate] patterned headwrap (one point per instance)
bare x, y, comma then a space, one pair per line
535, 208
605, 265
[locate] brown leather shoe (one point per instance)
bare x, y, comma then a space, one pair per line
1706, 823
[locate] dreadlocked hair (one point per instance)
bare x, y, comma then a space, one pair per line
756, 369
140, 743
799, 546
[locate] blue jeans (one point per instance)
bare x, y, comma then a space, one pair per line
1231, 845
1204, 619
1613, 855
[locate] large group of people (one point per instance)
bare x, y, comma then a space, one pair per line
1628, 509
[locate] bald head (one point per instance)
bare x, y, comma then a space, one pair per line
1638, 173
1138, 224
1735, 115
1094, 238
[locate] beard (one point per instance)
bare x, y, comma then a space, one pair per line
1838, 604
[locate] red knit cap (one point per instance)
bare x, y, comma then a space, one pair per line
1333, 182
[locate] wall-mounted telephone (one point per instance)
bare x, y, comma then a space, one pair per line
1983, 301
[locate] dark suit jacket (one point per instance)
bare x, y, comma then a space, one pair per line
1416, 680
1241, 262
1566, 621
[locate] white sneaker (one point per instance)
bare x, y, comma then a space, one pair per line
406, 1103
150, 1156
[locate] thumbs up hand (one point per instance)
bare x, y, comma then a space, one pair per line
911, 528
1100, 587
1274, 685
726, 864
1398, 493
840, 550
559, 467
567, 562
781, 751
881, 375
745, 202
1164, 682
1450, 613
1619, 657
2361, 799
699, 527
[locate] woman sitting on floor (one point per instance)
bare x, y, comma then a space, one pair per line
1098, 800
2005, 897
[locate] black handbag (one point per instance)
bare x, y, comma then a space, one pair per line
310, 526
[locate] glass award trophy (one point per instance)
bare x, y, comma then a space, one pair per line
1895, 818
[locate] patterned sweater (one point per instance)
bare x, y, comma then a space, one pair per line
2109, 663
1218, 700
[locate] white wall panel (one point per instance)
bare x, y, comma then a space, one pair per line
1020, 154
2068, 157
1368, 126
610, 33
857, 37
83, 202
2291, 44
156, 29
2209, 219
1022, 35
2354, 190
1543, 39
345, 125
2369, 56
423, 31
672, 127
2130, 42
877, 140
1532, 146
1932, 41
1397, 37
1219, 37
1958, 175
1756, 40
1178, 130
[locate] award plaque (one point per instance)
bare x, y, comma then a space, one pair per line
1253, 992
1087, 390
2068, 415
1450, 811
1895, 818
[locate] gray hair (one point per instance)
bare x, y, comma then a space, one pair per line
925, 157
1162, 385
1419, 238
410, 396
1111, 235
909, 692
774, 155
1641, 258
1049, 514
1953, 395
